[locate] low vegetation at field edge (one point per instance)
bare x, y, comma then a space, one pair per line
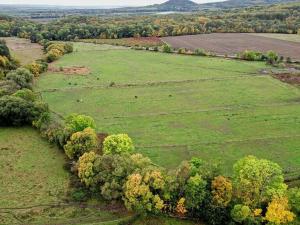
129, 42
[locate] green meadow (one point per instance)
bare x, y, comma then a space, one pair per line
35, 184
176, 107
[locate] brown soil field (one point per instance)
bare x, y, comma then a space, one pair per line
232, 43
24, 50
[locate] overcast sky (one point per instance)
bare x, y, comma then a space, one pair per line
93, 2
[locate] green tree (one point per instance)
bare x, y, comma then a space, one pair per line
294, 199
144, 191
118, 144
221, 191
81, 142
195, 193
23, 77
26, 94
241, 213
75, 122
257, 181
17, 111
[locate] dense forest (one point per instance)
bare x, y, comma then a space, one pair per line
282, 18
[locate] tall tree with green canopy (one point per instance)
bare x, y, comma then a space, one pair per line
257, 181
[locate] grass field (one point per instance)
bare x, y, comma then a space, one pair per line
175, 107
33, 183
23, 50
285, 37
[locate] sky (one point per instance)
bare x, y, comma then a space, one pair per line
93, 2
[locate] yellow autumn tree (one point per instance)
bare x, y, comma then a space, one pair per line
180, 207
143, 191
278, 212
221, 191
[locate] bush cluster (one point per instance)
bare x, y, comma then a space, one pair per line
7, 62
37, 67
54, 50
270, 57
18, 104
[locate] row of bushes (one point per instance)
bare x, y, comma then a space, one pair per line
168, 49
256, 194
270, 57
54, 50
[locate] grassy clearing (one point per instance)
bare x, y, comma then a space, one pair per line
23, 50
176, 107
34, 183
285, 37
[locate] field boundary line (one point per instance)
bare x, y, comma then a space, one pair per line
221, 142
216, 109
151, 84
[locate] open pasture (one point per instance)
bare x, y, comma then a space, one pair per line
233, 43
176, 107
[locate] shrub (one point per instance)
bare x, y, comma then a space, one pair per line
8, 87
272, 57
22, 77
240, 213
251, 55
4, 50
143, 191
181, 51
195, 193
294, 199
36, 68
75, 122
221, 191
56, 46
278, 212
166, 48
200, 52
117, 144
17, 111
26, 94
4, 62
86, 171
81, 142
68, 48
113, 171
53, 54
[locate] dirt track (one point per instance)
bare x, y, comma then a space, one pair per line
229, 43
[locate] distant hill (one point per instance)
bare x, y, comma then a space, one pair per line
188, 5
177, 5
242, 3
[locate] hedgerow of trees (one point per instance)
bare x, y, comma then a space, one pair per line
260, 19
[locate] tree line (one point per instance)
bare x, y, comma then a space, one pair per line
282, 18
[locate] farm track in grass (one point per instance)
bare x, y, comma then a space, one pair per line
233, 43
176, 107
